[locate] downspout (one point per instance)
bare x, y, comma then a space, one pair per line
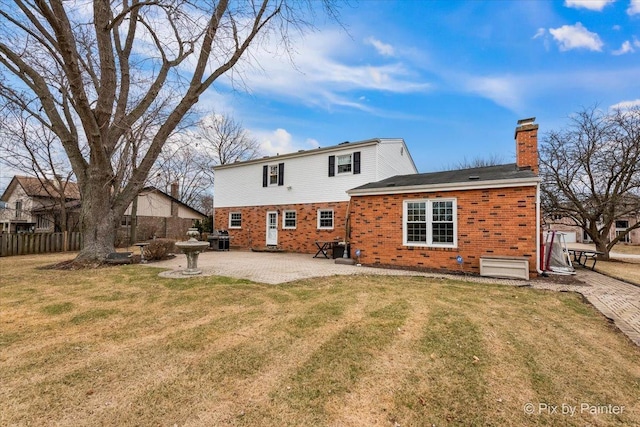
538, 270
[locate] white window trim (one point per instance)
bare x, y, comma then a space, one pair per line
277, 175
284, 218
350, 171
235, 226
429, 209
333, 219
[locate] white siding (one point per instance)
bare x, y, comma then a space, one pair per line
28, 204
152, 204
183, 212
306, 177
394, 159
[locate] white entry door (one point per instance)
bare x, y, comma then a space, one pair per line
272, 228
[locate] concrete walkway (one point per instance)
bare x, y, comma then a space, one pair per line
615, 299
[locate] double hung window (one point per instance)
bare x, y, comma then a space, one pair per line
429, 222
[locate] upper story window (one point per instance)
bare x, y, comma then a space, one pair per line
344, 164
19, 209
273, 175
235, 220
430, 223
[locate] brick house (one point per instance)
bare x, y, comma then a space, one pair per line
450, 220
409, 220
575, 234
292, 200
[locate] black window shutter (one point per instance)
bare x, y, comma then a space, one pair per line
332, 165
280, 173
356, 162
265, 175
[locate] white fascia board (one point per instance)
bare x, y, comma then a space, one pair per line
454, 186
302, 153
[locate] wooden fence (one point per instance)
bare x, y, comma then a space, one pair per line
39, 243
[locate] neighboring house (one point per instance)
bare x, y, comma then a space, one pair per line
159, 215
292, 200
437, 221
32, 206
575, 234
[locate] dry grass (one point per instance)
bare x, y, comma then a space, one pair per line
627, 269
626, 249
121, 346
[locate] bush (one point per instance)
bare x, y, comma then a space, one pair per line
160, 249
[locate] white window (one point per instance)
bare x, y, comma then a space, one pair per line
344, 163
235, 220
325, 219
42, 221
126, 221
289, 220
430, 223
273, 175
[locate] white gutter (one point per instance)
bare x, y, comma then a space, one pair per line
453, 186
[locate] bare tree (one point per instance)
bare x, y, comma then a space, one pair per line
225, 140
27, 147
478, 162
591, 172
90, 72
181, 163
188, 159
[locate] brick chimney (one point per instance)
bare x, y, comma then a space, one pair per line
174, 190
174, 194
527, 144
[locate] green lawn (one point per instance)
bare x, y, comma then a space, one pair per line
121, 346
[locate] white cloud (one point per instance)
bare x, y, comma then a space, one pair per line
503, 90
540, 33
275, 142
576, 37
383, 49
625, 48
625, 105
322, 74
636, 42
280, 141
596, 5
634, 8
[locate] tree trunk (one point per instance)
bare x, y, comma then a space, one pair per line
601, 246
98, 220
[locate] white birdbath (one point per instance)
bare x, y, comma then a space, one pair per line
192, 249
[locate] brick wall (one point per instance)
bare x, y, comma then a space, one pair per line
153, 226
490, 222
254, 226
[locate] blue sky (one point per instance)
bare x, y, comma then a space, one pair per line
450, 77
